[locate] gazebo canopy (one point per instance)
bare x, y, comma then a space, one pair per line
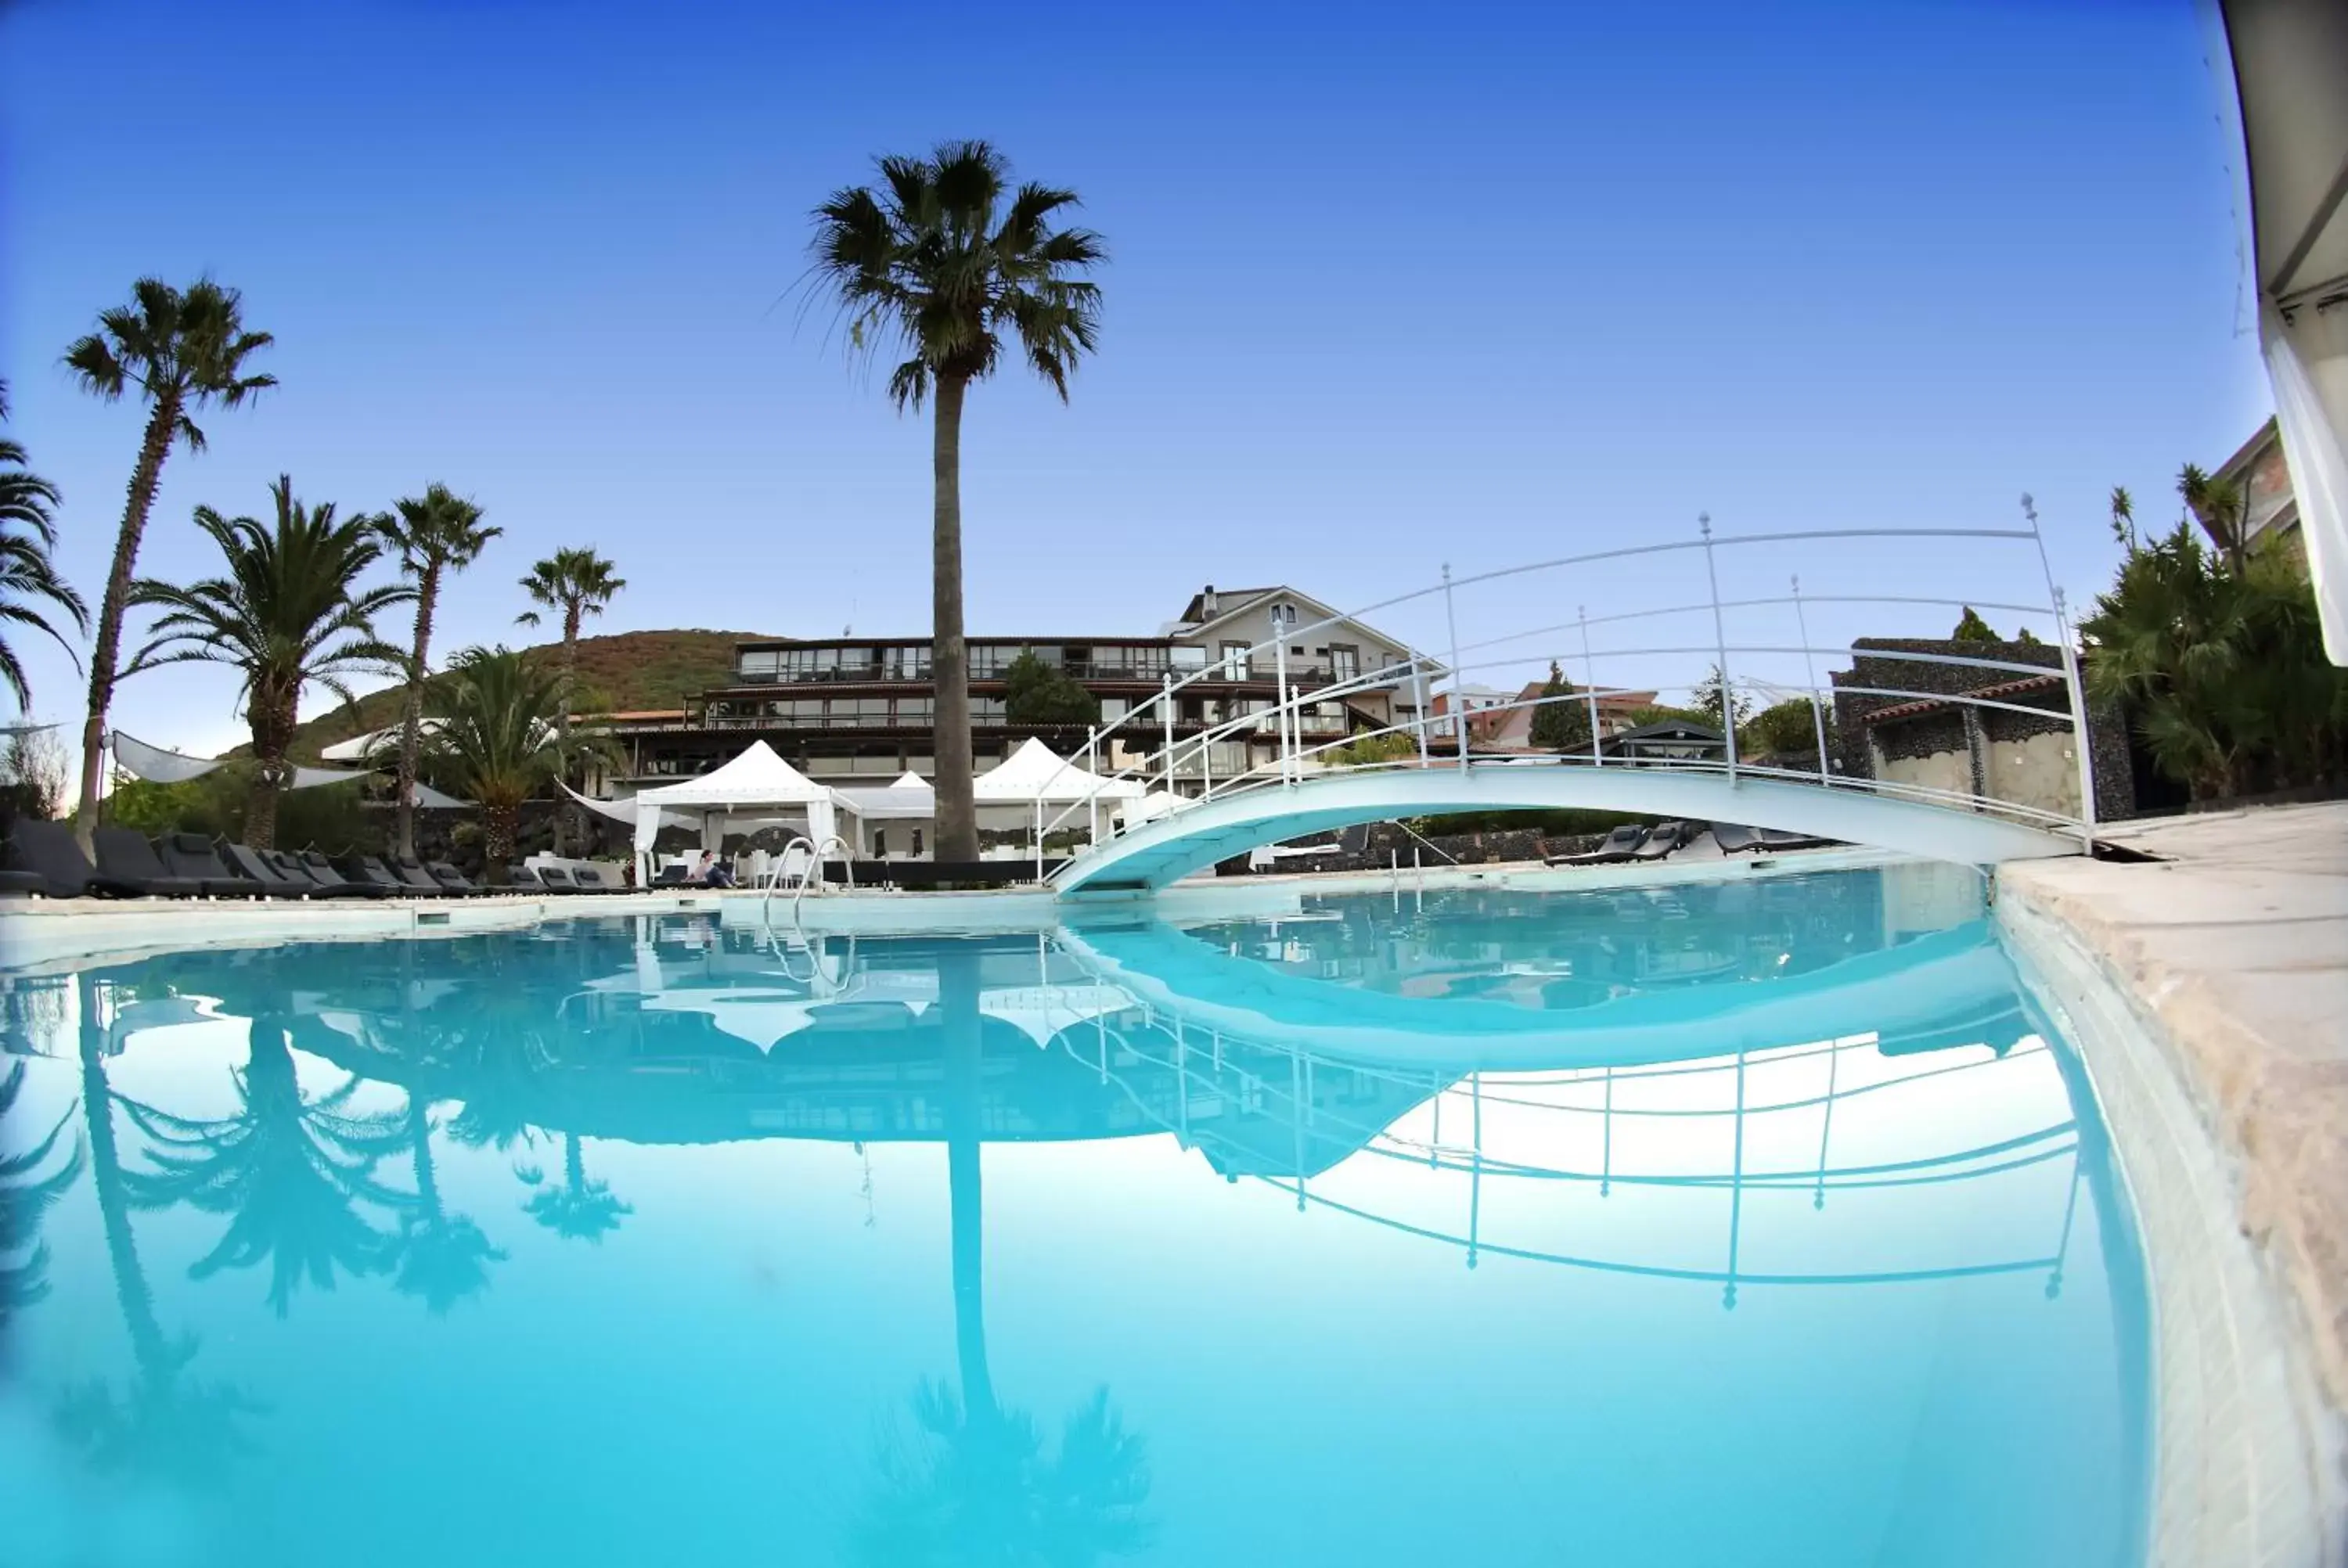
1034, 774
757, 783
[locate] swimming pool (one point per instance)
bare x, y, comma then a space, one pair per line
1765, 1221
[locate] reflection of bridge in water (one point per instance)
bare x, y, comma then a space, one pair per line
664, 1032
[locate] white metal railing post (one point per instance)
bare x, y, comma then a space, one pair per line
1459, 689
1720, 641
1092, 795
1206, 765
1418, 697
2082, 738
1589, 684
1039, 838
1280, 680
2081, 742
1166, 705
1810, 673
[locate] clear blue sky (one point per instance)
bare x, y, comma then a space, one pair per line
1390, 285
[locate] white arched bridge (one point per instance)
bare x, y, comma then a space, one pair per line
1291, 784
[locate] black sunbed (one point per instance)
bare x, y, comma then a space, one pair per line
590, 880
555, 880
1617, 846
191, 854
1667, 836
1735, 837
524, 878
275, 882
454, 880
331, 882
673, 874
1776, 838
125, 854
14, 881
415, 881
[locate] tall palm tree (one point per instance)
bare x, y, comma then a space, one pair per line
494, 731
972, 1482
290, 1171
581, 1209
169, 1421
290, 614
934, 261
2224, 507
28, 576
24, 1196
184, 351
443, 1257
432, 534
578, 583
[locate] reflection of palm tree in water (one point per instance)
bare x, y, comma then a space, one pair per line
24, 1195
580, 1209
169, 1421
443, 1257
969, 1480
290, 1172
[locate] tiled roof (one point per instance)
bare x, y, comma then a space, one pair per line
1998, 692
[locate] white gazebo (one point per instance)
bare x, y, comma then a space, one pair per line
1035, 776
909, 804
757, 786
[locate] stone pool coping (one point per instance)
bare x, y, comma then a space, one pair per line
2229, 957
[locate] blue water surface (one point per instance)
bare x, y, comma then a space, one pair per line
1758, 1223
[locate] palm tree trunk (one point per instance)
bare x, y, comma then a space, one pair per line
959, 1016
147, 1345
161, 425
273, 731
497, 840
949, 658
562, 721
411, 722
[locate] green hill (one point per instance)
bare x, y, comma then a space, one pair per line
626, 672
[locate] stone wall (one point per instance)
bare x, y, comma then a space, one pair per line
2007, 756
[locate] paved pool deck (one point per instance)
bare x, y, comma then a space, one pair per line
2228, 957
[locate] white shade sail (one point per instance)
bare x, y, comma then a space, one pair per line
157, 765
1035, 774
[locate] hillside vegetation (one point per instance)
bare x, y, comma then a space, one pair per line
626, 672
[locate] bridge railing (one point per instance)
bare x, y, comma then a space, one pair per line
1183, 768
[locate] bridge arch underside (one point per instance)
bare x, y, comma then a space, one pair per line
1173, 847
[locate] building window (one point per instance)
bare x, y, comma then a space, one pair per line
917, 841
760, 666
1235, 660
880, 843
1344, 661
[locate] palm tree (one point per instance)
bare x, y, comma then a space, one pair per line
169, 1421
494, 733
2224, 509
288, 615
578, 583
437, 532
27, 534
443, 1257
184, 351
971, 1480
933, 260
289, 1170
580, 1209
24, 1198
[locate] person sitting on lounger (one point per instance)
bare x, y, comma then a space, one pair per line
710, 872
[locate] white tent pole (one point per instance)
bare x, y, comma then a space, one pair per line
1039, 838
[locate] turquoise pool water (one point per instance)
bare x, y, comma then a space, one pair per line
1758, 1223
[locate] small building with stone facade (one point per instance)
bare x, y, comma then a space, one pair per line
1937, 742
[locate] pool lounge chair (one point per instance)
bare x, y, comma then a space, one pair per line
416, 882
673, 874
522, 879
274, 881
454, 880
331, 882
1777, 838
555, 880
125, 854
48, 850
1735, 837
590, 880
192, 855
1666, 837
371, 870
1616, 847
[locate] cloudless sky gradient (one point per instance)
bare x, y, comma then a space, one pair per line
1390, 286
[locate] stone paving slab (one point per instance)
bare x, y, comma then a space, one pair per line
2236, 947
